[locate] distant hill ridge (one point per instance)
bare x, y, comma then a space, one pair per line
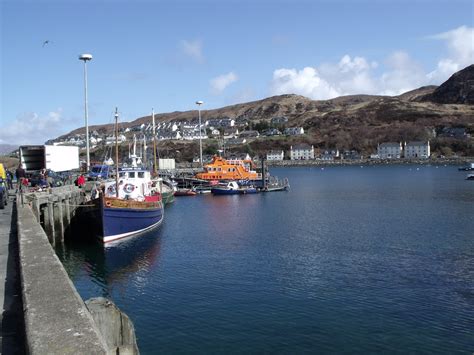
355, 121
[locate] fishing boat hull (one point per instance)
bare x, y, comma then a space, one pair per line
184, 192
168, 197
224, 191
122, 219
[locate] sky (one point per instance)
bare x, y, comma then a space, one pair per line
167, 55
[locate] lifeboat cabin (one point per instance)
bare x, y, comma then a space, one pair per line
223, 169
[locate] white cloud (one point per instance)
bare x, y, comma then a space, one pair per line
192, 49
31, 128
403, 74
460, 43
219, 83
305, 82
357, 75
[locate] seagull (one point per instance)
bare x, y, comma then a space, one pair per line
45, 42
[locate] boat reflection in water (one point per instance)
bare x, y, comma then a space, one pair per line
112, 265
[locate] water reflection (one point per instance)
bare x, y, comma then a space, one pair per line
114, 264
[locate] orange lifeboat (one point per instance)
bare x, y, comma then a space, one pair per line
233, 169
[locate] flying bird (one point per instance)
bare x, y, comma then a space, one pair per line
45, 42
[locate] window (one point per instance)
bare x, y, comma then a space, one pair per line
131, 174
141, 174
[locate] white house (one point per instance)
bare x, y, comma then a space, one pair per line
389, 150
417, 150
293, 131
302, 152
275, 155
111, 139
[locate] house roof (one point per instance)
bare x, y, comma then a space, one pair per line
302, 146
389, 145
416, 144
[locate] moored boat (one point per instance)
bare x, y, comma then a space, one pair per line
232, 188
129, 205
185, 192
470, 177
467, 167
229, 169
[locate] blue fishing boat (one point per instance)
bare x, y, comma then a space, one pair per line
128, 206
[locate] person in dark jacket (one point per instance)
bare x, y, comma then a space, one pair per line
9, 179
20, 176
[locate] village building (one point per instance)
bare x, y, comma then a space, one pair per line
249, 134
302, 152
417, 150
279, 120
329, 154
389, 150
293, 131
275, 155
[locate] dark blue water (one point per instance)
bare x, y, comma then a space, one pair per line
372, 259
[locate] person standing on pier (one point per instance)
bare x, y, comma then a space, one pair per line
81, 180
20, 176
10, 180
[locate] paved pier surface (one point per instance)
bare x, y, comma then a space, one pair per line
11, 320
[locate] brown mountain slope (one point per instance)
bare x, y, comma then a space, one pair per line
352, 122
458, 89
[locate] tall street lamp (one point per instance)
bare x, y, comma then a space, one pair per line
86, 57
199, 103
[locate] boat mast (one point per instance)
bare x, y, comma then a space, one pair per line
116, 155
144, 150
154, 141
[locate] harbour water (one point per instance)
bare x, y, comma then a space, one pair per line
351, 259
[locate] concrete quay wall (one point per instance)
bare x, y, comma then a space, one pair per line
56, 318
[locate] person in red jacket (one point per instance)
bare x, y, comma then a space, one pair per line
81, 180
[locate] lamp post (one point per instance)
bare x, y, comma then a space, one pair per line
199, 103
86, 57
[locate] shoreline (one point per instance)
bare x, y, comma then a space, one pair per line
436, 161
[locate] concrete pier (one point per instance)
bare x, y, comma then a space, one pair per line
54, 209
42, 311
56, 319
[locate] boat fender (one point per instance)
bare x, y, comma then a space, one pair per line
128, 188
108, 203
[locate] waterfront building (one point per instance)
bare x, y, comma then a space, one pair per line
330, 154
351, 155
275, 155
302, 152
417, 150
389, 150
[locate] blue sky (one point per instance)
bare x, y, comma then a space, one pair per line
168, 54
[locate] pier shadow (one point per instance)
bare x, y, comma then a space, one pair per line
13, 326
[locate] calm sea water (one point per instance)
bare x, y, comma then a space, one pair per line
351, 259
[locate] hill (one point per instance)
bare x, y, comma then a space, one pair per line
357, 122
458, 89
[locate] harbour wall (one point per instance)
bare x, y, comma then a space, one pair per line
56, 318
57, 321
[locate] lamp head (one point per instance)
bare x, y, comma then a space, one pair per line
85, 57
199, 103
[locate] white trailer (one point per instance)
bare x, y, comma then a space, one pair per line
52, 157
166, 164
